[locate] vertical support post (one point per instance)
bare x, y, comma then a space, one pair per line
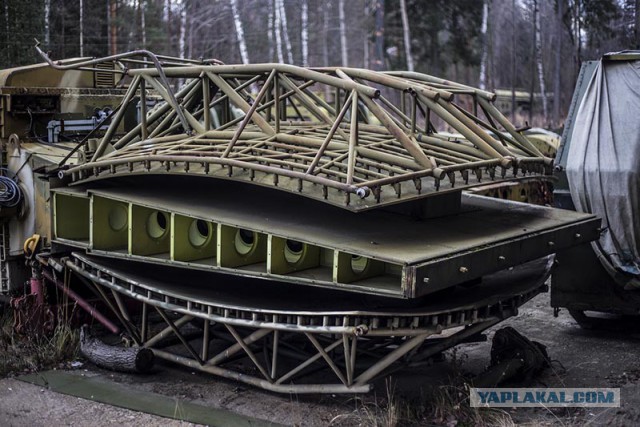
144, 323
347, 359
116, 120
226, 111
206, 102
403, 106
276, 83
144, 131
205, 340
274, 356
353, 137
267, 99
414, 107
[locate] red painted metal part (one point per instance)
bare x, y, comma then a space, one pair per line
31, 316
83, 304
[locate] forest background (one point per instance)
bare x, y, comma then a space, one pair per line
529, 48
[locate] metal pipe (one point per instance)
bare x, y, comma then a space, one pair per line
508, 126
84, 304
411, 146
240, 102
329, 136
236, 347
390, 358
353, 138
155, 115
106, 139
166, 331
431, 79
307, 362
278, 388
250, 114
141, 52
263, 68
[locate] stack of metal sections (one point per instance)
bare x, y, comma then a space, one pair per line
310, 222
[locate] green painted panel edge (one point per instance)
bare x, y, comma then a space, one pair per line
114, 394
102, 235
343, 273
71, 216
181, 247
228, 256
141, 242
278, 263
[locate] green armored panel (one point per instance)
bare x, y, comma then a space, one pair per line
192, 239
109, 223
149, 231
239, 247
348, 268
71, 217
287, 256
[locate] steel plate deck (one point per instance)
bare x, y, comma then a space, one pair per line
238, 293
380, 235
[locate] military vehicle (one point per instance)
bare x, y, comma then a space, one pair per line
598, 171
306, 253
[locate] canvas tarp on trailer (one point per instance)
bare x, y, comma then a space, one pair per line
603, 166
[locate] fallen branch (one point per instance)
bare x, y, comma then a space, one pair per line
115, 358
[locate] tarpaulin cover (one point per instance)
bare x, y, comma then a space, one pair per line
603, 166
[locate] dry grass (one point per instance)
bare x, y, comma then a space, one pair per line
444, 405
447, 405
22, 354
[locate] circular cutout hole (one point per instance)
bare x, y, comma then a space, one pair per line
293, 251
118, 218
157, 224
245, 241
199, 233
359, 263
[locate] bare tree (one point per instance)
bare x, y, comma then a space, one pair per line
539, 63
270, 28
244, 54
183, 29
285, 30
513, 61
304, 33
343, 34
81, 28
278, 26
167, 19
407, 34
113, 28
365, 59
6, 27
142, 5
47, 19
557, 82
485, 45
379, 32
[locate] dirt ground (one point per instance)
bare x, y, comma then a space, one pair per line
582, 359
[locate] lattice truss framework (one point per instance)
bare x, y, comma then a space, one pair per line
281, 351
377, 139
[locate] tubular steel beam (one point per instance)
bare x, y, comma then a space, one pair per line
263, 106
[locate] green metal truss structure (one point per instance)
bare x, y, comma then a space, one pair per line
378, 142
285, 293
